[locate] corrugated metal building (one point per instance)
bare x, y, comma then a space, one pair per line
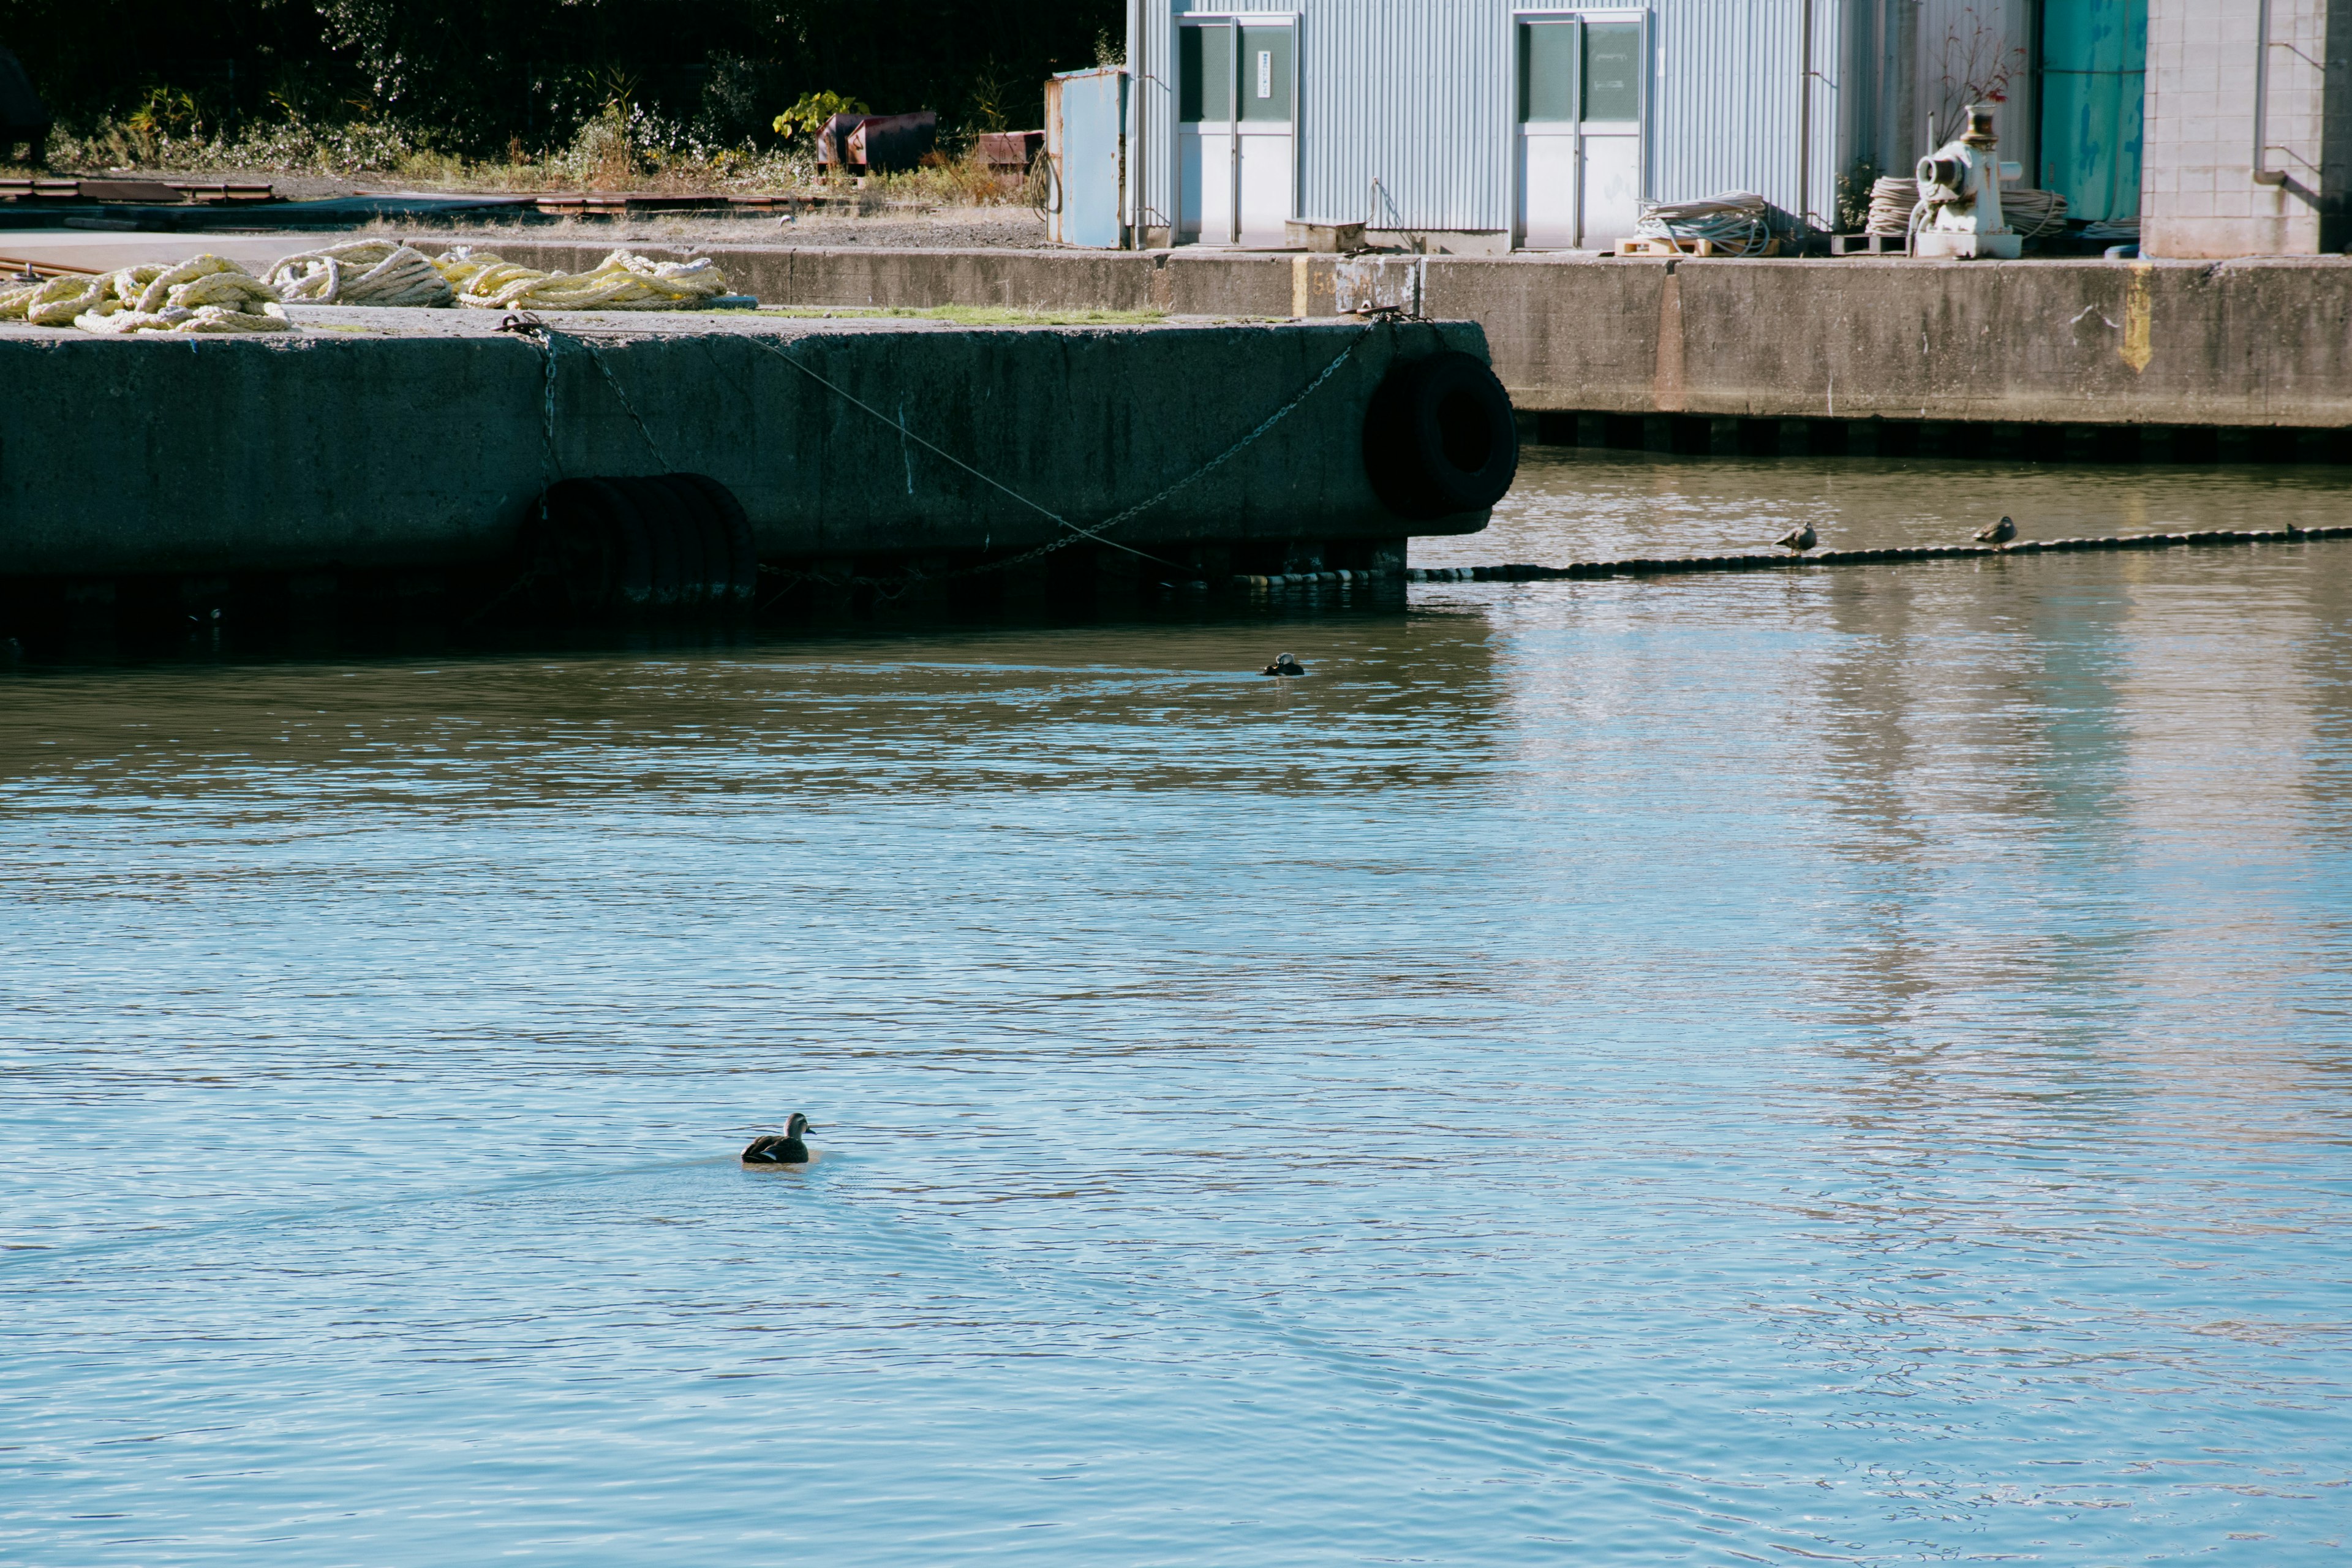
1480, 125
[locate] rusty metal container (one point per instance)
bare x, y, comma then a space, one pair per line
1010, 152
883, 144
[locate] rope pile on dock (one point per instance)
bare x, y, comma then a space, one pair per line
202, 294
2032, 213
361, 272
213, 294
1739, 221
484, 282
1895, 198
1891, 197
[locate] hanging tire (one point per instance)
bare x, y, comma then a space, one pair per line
1441, 437
727, 513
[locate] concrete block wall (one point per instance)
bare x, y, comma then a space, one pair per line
2199, 196
2259, 342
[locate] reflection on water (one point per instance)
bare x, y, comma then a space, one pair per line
1845, 1066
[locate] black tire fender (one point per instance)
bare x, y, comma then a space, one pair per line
1441, 437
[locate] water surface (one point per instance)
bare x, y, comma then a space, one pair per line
1848, 1067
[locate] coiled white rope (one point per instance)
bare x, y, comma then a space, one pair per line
484, 282
361, 272
48, 301
1739, 220
213, 294
202, 294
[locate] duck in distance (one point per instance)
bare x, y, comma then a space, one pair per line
787, 1149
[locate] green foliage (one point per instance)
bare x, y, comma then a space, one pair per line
1853, 196
990, 98
164, 111
470, 79
807, 117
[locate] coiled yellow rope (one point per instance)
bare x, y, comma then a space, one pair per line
621, 281
213, 294
202, 294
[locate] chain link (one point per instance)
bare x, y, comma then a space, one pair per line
527, 326
1076, 533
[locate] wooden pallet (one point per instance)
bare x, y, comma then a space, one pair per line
623, 204
130, 193
1645, 245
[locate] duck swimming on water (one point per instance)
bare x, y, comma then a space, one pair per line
788, 1149
1283, 664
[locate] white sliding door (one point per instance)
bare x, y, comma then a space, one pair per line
1236, 131
1578, 154
1609, 123
1548, 159
1266, 134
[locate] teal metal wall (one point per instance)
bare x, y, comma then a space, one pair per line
2093, 93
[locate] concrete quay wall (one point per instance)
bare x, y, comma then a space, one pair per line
2250, 343
388, 439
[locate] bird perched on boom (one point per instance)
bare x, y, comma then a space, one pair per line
1799, 539
788, 1149
2000, 532
1283, 664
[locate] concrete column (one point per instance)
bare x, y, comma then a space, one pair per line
2202, 192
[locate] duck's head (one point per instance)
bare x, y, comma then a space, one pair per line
796, 1126
1285, 658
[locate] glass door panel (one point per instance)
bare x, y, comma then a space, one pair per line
1205, 133
1612, 84
1609, 127
1579, 132
1263, 84
1549, 166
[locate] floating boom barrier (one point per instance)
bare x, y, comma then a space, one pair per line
1675, 565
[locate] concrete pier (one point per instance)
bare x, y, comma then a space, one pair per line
377, 440
2245, 345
